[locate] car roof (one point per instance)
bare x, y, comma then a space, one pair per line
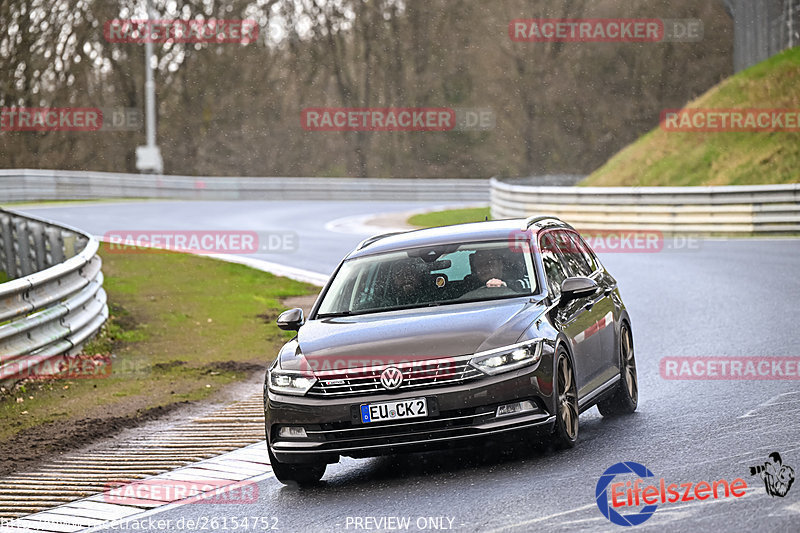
494, 230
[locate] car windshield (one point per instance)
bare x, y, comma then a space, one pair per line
428, 276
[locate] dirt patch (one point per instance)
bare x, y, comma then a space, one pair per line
163, 367
269, 317
36, 445
234, 366
123, 318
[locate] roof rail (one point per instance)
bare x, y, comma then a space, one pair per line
530, 221
369, 240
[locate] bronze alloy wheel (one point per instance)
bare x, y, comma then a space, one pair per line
566, 429
626, 396
629, 364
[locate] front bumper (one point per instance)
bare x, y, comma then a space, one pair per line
457, 414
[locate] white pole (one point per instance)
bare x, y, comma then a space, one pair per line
149, 86
148, 157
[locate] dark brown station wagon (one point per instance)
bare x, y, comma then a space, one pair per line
442, 336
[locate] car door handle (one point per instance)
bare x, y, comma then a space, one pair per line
608, 290
588, 306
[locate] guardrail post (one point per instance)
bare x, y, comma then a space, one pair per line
39, 252
70, 242
80, 243
23, 248
7, 262
56, 244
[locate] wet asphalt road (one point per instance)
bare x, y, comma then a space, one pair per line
713, 298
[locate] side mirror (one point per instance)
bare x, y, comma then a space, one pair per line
291, 320
574, 288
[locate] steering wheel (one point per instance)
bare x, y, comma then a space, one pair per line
484, 291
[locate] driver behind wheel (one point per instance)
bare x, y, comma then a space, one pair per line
489, 269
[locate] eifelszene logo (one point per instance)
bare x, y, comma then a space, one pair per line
632, 493
778, 477
601, 494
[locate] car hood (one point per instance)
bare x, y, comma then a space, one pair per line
416, 334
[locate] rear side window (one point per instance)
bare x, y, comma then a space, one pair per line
577, 256
553, 265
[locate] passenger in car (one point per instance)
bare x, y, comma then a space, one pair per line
405, 288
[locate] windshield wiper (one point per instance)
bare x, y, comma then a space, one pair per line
334, 315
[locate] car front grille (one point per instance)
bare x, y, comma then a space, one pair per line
416, 375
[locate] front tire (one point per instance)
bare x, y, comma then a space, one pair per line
565, 432
626, 397
296, 475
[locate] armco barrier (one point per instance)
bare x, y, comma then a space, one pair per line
31, 185
54, 300
738, 210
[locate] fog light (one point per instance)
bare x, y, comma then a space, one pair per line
514, 408
292, 432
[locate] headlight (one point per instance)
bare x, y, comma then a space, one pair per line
511, 358
290, 382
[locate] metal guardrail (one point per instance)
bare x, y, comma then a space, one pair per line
742, 210
31, 185
54, 300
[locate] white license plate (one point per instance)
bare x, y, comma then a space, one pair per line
399, 410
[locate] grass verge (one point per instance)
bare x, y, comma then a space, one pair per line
449, 217
721, 158
181, 328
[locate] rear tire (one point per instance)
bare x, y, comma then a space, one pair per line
626, 397
565, 431
297, 475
